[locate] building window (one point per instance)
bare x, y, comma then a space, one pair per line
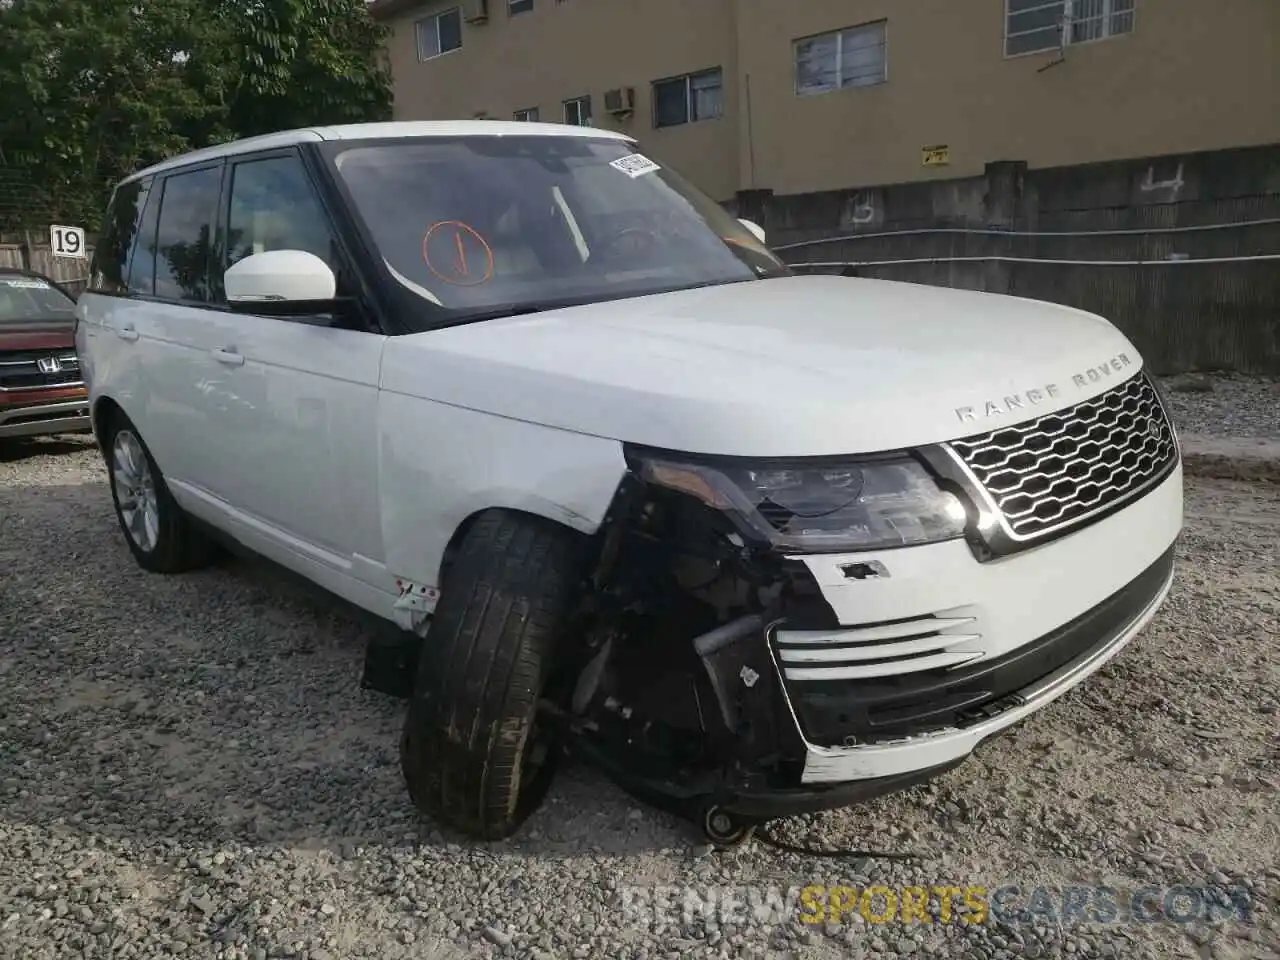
529, 116
1034, 26
695, 96
439, 33
854, 57
519, 6
578, 111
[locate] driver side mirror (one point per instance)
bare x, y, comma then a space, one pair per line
281, 283
756, 230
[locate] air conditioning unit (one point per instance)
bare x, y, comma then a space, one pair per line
620, 101
475, 11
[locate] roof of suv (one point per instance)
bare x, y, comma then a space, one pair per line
371, 131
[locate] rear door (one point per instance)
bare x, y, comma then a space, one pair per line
166, 323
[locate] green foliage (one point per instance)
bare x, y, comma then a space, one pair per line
90, 90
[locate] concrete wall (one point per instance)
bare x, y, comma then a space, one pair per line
976, 232
1191, 76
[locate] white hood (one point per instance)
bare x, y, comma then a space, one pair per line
794, 366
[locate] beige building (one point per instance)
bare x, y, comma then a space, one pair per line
804, 95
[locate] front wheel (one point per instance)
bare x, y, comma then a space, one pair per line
473, 754
158, 533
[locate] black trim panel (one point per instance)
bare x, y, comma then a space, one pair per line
892, 707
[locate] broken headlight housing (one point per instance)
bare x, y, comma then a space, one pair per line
859, 503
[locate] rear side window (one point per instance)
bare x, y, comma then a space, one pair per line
184, 234
119, 232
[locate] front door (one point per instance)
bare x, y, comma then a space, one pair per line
294, 447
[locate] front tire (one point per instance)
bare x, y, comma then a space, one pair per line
472, 753
160, 536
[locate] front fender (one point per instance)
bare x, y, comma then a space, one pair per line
439, 464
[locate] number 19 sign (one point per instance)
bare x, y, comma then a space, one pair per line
67, 242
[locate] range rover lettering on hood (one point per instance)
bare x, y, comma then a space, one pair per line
1049, 391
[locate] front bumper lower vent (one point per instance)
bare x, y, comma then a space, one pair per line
1054, 473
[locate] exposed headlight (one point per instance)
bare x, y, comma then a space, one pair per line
813, 507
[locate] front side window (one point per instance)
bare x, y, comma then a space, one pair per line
184, 234
439, 33
25, 299
273, 207
1036, 26
578, 111
474, 225
854, 57
695, 96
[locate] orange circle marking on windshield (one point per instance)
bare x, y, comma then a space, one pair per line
459, 269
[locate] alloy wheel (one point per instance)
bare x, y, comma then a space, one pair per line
135, 491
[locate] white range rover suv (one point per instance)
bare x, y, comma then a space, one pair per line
619, 481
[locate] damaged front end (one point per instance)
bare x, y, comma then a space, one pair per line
670, 685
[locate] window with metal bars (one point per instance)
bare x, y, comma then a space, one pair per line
1034, 26
853, 57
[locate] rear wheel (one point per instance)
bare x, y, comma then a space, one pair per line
473, 754
158, 533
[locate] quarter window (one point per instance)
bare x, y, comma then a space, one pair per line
529, 115
1034, 26
694, 96
439, 33
111, 256
141, 278
853, 57
184, 234
578, 111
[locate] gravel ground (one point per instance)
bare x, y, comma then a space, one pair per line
1226, 405
188, 767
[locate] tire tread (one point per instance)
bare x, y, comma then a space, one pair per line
482, 670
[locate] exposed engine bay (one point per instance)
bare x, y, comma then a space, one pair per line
672, 688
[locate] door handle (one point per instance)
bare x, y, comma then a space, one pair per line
126, 332
229, 356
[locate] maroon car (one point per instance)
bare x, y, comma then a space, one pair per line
41, 389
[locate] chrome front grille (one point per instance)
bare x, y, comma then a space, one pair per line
876, 650
1054, 472
33, 369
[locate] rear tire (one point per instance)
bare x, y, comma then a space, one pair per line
160, 536
471, 731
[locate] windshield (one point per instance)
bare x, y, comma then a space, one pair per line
483, 224
26, 299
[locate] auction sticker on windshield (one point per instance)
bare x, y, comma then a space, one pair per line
24, 283
634, 165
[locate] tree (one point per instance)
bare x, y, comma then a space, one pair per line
306, 62
91, 90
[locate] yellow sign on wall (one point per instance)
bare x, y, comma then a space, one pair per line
938, 156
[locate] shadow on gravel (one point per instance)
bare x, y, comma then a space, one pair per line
217, 707
15, 451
